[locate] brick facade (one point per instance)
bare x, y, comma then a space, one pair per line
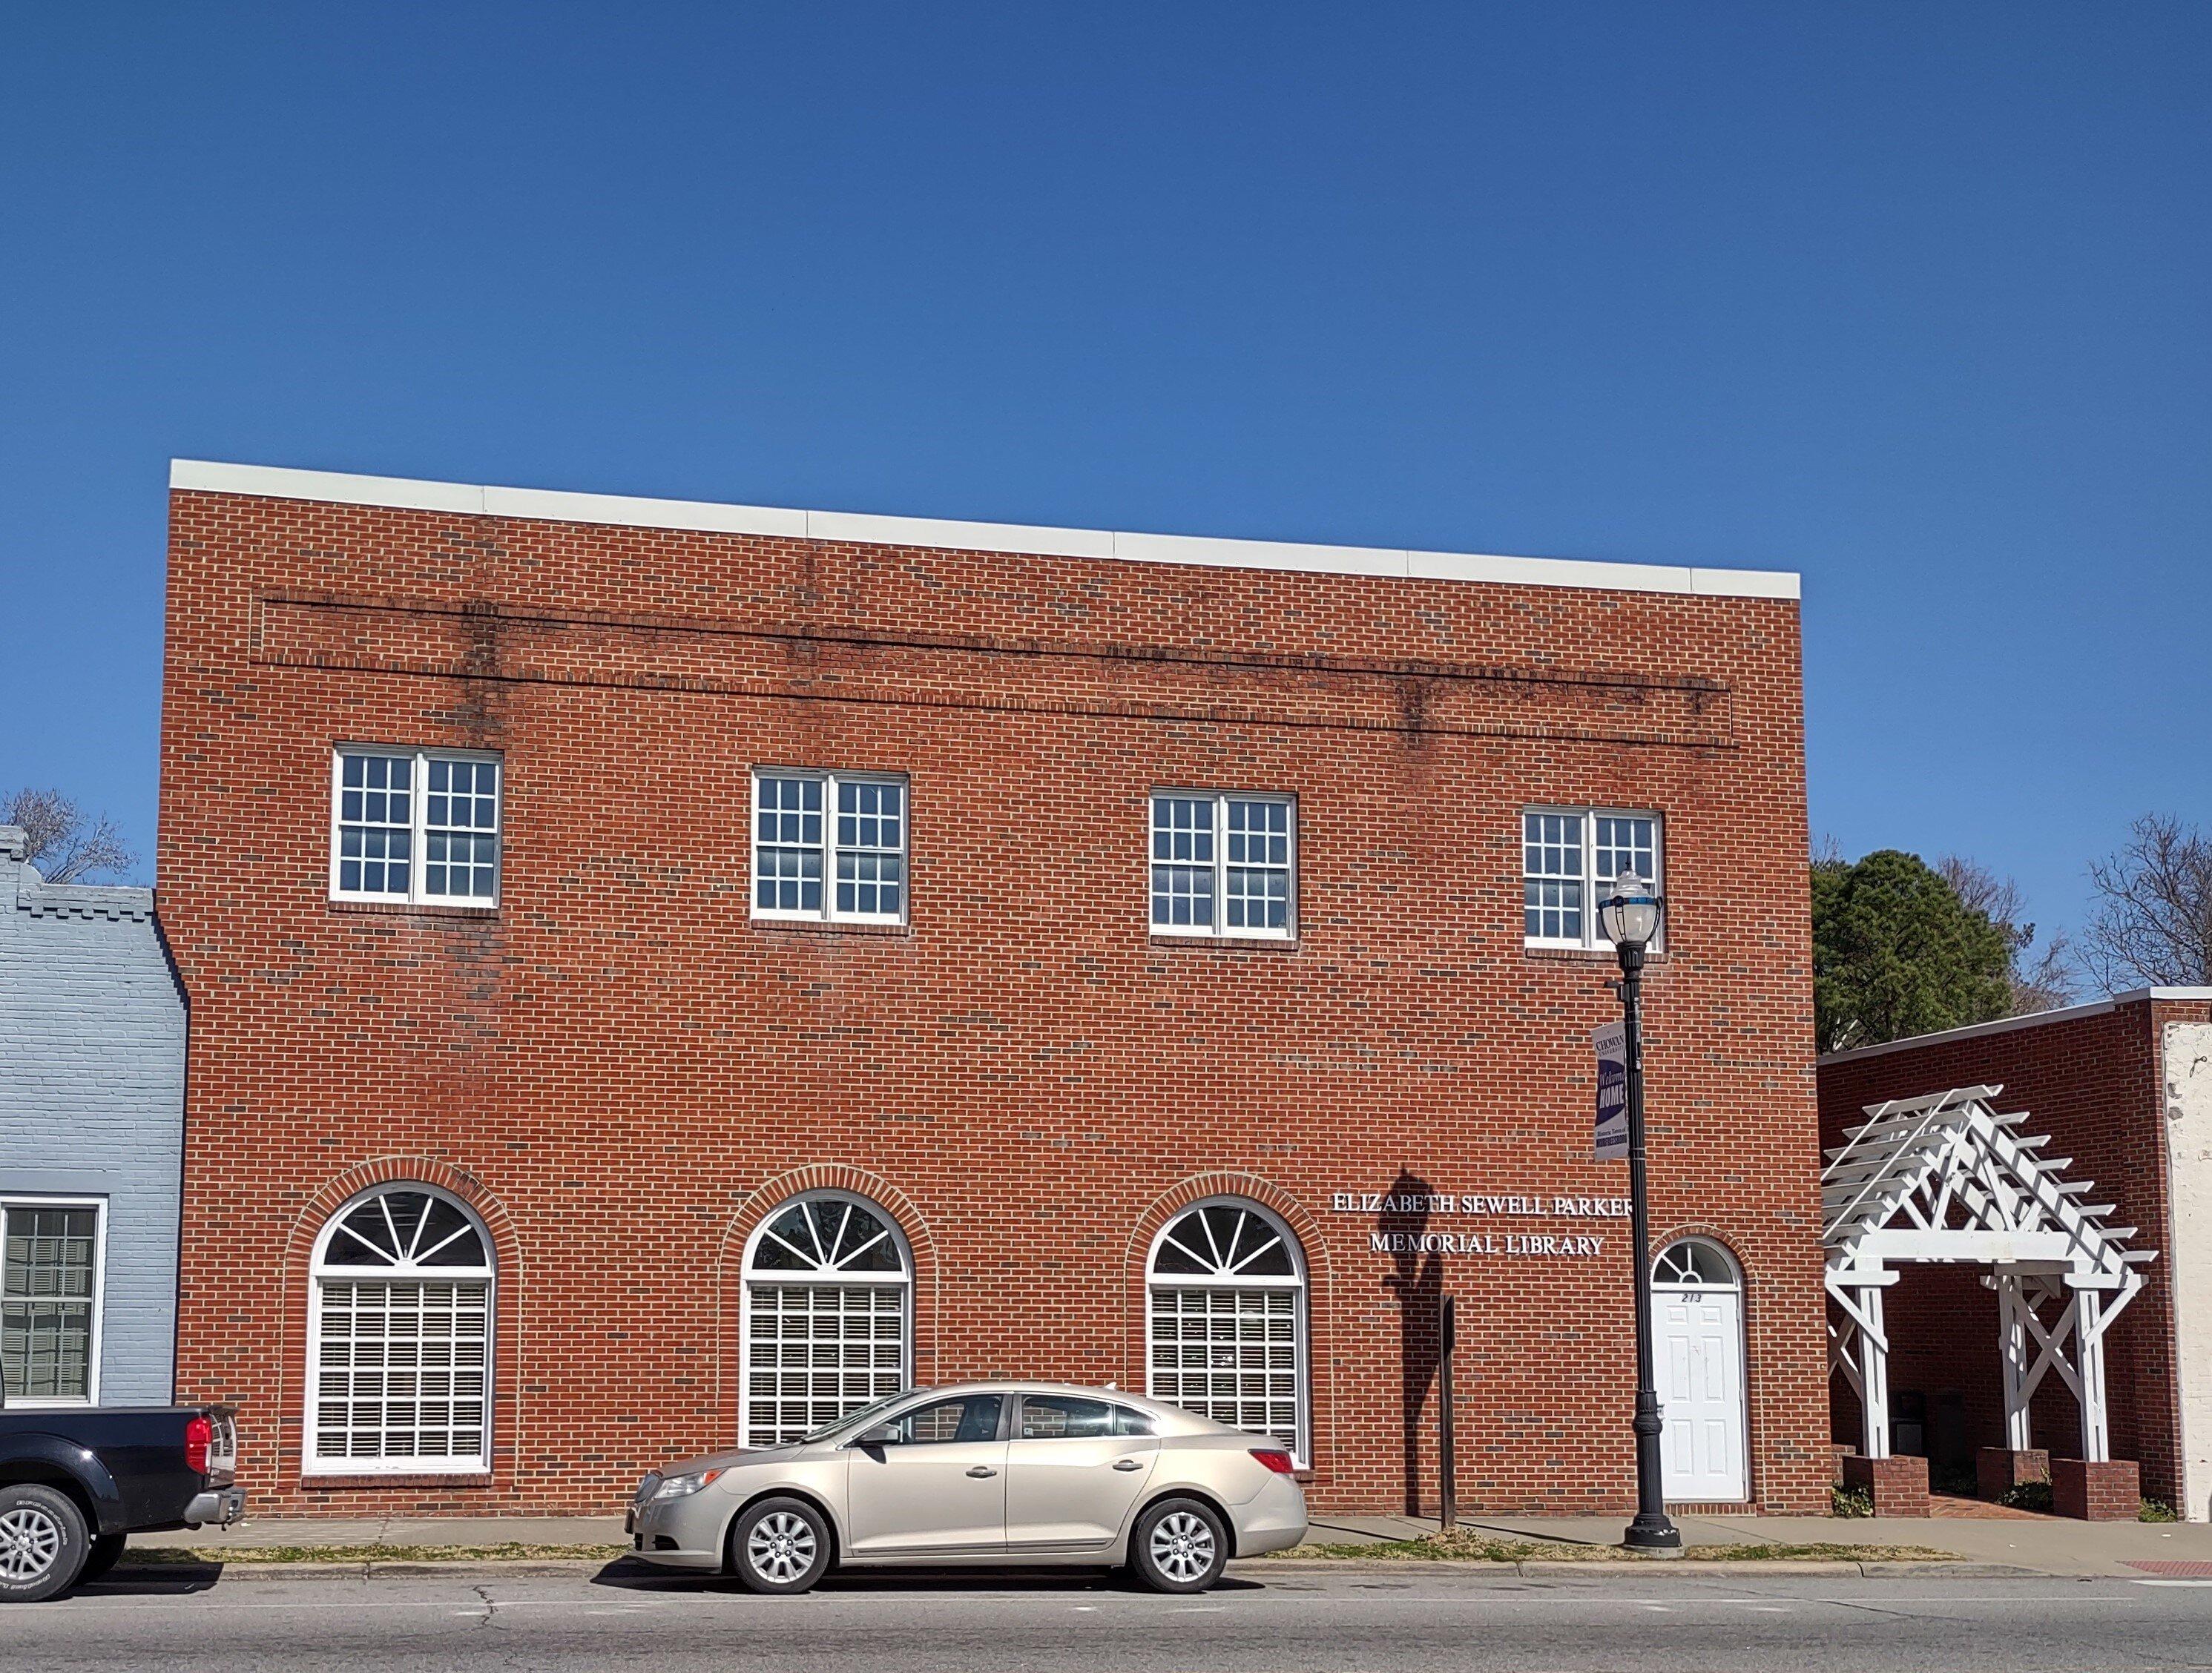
625, 1074
2092, 1077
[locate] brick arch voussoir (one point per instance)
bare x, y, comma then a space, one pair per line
1199, 1187
456, 1182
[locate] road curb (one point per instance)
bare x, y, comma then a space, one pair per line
1530, 1568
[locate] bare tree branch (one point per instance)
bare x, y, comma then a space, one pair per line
2039, 983
64, 845
2152, 925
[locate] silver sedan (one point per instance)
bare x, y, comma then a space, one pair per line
984, 1473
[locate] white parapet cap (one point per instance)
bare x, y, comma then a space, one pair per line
2005, 1025
551, 506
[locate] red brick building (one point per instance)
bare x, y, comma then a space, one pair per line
2123, 1088
663, 974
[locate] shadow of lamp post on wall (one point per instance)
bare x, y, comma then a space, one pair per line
1628, 918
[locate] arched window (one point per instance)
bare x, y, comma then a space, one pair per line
1695, 1263
1225, 1292
828, 1301
399, 1336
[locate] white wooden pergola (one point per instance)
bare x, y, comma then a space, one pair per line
1945, 1177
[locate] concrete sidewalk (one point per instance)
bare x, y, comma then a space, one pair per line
2048, 1545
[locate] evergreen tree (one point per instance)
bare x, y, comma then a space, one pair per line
1896, 952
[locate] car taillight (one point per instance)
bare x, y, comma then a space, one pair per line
1274, 1459
199, 1435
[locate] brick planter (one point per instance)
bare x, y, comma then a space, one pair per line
1898, 1486
2109, 1491
1999, 1469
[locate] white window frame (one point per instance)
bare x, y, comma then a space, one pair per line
418, 838
1591, 940
93, 1348
1219, 930
827, 913
903, 1281
311, 1461
1299, 1284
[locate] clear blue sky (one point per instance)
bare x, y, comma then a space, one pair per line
1912, 299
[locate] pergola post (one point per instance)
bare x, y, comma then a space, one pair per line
2012, 1346
1874, 1375
2089, 1367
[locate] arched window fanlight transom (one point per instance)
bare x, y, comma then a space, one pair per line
1225, 1319
399, 1334
1695, 1263
830, 1238
406, 1228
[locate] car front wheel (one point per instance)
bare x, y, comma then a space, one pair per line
1179, 1545
42, 1543
781, 1545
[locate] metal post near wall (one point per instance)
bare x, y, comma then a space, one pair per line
1447, 1451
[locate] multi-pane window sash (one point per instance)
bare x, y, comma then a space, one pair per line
1224, 864
50, 1254
1569, 859
830, 846
420, 827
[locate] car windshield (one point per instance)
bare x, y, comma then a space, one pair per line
851, 1419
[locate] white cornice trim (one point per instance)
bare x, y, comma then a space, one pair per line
274, 482
2007, 1024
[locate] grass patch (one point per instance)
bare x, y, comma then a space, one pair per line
336, 1553
1476, 1548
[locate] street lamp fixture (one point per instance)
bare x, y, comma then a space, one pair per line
1628, 918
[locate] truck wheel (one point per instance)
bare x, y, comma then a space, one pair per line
1178, 1545
106, 1551
42, 1543
781, 1545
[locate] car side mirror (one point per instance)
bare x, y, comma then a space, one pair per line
880, 1434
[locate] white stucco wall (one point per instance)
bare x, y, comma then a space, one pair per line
2188, 1057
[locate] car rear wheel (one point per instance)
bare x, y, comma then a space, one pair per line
1179, 1545
780, 1546
42, 1543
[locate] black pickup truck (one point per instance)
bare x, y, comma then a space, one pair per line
74, 1480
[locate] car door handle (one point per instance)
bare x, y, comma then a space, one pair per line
982, 1470
1128, 1463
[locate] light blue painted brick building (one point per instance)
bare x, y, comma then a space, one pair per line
92, 1111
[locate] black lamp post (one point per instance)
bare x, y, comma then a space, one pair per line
1629, 917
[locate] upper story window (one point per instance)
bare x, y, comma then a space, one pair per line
416, 826
1224, 864
830, 846
1569, 857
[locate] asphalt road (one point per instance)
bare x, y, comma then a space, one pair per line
1259, 1622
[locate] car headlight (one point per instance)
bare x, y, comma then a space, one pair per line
679, 1486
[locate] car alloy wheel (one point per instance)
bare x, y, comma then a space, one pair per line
31, 1543
42, 1543
1179, 1545
780, 1548
1182, 1546
781, 1545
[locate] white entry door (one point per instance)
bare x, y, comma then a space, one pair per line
1697, 1307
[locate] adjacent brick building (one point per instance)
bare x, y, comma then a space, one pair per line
2124, 1088
666, 972
91, 1110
